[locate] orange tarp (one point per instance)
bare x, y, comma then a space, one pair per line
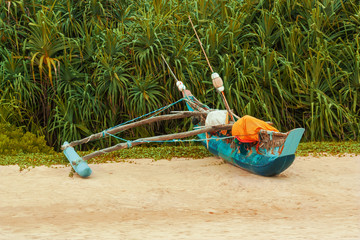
246, 129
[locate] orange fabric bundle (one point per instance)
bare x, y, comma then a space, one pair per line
246, 129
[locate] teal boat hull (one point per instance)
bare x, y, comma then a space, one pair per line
267, 164
263, 162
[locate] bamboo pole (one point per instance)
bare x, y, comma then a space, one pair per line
208, 62
187, 98
158, 138
183, 91
172, 73
200, 113
132, 125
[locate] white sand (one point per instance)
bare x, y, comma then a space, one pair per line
316, 198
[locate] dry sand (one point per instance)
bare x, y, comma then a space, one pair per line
316, 198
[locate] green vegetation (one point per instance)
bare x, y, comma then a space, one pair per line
14, 141
28, 160
71, 68
328, 148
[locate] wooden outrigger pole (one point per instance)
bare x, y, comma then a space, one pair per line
158, 138
217, 81
80, 165
115, 130
182, 88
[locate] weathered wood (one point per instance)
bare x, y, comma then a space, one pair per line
158, 138
198, 113
132, 125
193, 102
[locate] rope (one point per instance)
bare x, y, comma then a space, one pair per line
122, 139
147, 114
157, 112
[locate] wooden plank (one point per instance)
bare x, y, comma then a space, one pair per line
132, 125
199, 113
158, 138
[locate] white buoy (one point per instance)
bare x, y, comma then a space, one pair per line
180, 85
217, 81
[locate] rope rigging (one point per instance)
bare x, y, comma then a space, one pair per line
157, 112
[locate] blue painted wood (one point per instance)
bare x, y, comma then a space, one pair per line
261, 162
292, 141
78, 164
265, 164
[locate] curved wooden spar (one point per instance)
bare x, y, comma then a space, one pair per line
183, 91
197, 36
172, 73
208, 62
158, 138
132, 125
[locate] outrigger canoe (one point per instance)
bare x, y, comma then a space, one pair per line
272, 154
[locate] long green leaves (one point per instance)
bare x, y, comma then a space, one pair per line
71, 68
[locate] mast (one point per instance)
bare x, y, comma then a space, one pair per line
180, 85
216, 79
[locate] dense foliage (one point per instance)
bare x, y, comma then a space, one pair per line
71, 68
14, 141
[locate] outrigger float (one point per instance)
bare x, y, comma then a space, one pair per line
246, 142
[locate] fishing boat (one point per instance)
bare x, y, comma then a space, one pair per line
260, 149
271, 155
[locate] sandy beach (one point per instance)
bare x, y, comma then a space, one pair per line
316, 198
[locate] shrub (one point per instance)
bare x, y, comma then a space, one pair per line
13, 141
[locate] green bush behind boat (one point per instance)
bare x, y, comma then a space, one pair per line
72, 68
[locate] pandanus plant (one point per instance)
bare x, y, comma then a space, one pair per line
79, 67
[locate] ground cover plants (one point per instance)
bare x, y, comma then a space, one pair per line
53, 159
